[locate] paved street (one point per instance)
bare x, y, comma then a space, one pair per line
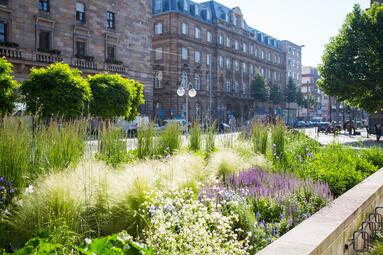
343, 138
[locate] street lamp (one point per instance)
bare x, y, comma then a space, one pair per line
190, 92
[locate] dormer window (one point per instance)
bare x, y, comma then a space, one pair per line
208, 14
196, 10
186, 6
234, 19
227, 17
157, 6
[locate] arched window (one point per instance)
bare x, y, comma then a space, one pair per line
197, 82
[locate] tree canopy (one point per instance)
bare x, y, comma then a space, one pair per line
352, 67
7, 86
258, 88
276, 95
291, 91
115, 96
56, 91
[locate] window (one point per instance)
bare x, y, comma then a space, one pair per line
80, 12
298, 53
157, 85
196, 10
208, 59
158, 54
228, 63
236, 45
236, 66
3, 31
208, 14
185, 53
234, 19
197, 56
186, 6
289, 49
111, 20
268, 56
80, 48
228, 43
244, 89
45, 40
197, 33
111, 52
244, 67
289, 74
158, 29
220, 61
289, 62
197, 82
185, 29
158, 6
262, 54
209, 37
251, 67
251, 49
228, 86
244, 48
275, 76
236, 87
256, 52
220, 39
44, 5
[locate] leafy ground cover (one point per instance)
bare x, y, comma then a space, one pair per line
165, 197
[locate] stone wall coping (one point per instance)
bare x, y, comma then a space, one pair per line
317, 233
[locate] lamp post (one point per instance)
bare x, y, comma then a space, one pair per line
189, 91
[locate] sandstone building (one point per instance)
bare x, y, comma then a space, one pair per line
92, 35
212, 48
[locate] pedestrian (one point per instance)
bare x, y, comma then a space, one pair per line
378, 131
365, 122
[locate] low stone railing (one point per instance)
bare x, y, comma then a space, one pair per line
330, 230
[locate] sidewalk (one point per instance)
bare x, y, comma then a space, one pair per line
358, 141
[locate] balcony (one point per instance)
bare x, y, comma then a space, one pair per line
9, 52
84, 63
113, 68
47, 57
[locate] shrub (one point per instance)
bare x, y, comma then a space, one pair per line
195, 137
56, 90
183, 225
169, 140
374, 155
210, 140
278, 144
259, 137
7, 86
115, 96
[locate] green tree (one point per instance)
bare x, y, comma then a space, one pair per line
276, 96
352, 67
56, 91
258, 88
300, 100
115, 96
291, 91
7, 86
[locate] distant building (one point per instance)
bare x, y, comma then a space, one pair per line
93, 36
212, 47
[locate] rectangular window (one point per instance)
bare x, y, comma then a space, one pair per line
244, 67
244, 48
228, 42
44, 5
158, 6
197, 56
184, 54
80, 12
111, 52
158, 29
158, 54
289, 62
220, 39
3, 31
228, 86
80, 47
228, 63
197, 33
209, 36
111, 20
185, 29
236, 45
45, 40
220, 61
208, 59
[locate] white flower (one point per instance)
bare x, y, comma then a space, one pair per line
29, 190
88, 241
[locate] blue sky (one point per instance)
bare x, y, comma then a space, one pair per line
305, 22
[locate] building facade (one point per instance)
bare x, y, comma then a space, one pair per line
210, 47
93, 36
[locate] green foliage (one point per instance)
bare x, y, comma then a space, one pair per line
115, 96
169, 140
112, 146
26, 153
7, 86
300, 98
374, 155
291, 91
195, 137
56, 90
278, 144
259, 137
258, 87
210, 140
276, 96
145, 141
352, 62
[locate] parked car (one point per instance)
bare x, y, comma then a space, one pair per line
181, 122
300, 124
322, 126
